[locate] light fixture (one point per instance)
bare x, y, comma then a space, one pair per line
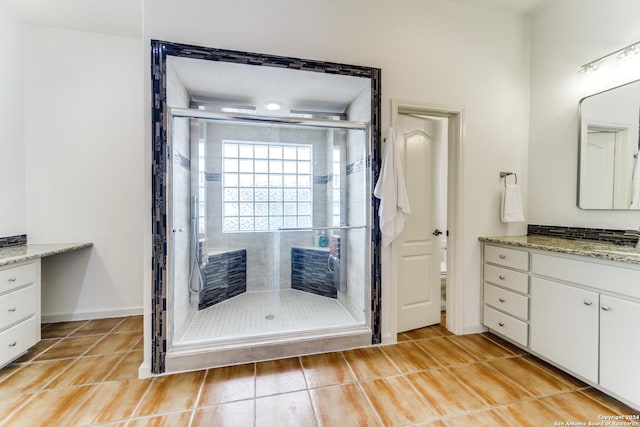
612, 70
273, 105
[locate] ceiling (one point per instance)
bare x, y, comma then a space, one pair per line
124, 17
241, 84
115, 17
522, 6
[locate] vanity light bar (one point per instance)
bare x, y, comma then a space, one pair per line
615, 69
621, 54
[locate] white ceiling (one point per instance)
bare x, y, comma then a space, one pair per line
522, 6
115, 17
240, 84
124, 17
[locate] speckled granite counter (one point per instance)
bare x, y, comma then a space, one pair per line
22, 253
574, 247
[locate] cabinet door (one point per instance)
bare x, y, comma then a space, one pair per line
619, 347
564, 326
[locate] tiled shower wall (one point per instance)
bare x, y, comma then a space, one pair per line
268, 253
183, 309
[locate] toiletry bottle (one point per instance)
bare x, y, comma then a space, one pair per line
323, 241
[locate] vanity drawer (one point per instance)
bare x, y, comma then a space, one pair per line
507, 301
506, 325
17, 305
506, 278
17, 339
14, 277
512, 258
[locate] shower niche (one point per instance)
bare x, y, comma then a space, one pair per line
271, 248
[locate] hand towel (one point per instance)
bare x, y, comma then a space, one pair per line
635, 185
512, 204
392, 192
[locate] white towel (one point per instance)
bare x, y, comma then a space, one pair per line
392, 192
635, 185
512, 204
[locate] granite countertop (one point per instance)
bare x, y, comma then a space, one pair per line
586, 248
21, 253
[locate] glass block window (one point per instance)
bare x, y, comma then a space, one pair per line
266, 186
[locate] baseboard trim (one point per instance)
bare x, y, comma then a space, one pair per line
90, 315
144, 371
474, 328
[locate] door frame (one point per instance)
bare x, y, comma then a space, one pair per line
455, 290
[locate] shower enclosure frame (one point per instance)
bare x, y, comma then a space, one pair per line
161, 117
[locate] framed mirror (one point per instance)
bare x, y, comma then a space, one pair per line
609, 143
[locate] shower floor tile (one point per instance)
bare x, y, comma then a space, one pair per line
253, 314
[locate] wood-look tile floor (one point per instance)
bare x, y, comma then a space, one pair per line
85, 374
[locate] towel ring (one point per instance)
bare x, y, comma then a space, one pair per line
506, 174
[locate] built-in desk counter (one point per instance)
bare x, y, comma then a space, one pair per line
20, 295
23, 253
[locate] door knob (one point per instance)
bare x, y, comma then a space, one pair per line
437, 232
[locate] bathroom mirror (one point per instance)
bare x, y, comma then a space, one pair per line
608, 149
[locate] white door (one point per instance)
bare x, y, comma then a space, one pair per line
596, 184
416, 251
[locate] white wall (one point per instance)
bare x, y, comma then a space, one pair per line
432, 51
566, 34
12, 172
84, 168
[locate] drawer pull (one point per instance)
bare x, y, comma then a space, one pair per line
500, 323
502, 256
501, 299
605, 308
12, 309
501, 277
12, 344
587, 302
12, 279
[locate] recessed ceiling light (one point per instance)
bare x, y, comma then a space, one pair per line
272, 105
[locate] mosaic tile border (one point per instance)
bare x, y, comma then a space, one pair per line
578, 233
19, 239
182, 161
159, 51
355, 167
213, 177
322, 179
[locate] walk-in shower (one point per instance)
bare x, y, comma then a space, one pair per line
266, 220
272, 216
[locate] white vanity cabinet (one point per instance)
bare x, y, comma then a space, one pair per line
19, 309
584, 315
620, 347
506, 289
564, 326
